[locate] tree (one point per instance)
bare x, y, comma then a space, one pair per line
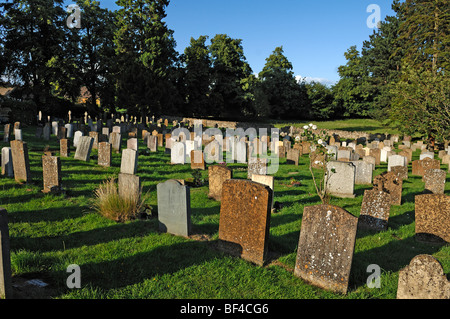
320, 101
285, 96
230, 77
197, 77
146, 57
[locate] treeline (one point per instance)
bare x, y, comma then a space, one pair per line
126, 59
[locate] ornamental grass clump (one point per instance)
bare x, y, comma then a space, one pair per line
110, 204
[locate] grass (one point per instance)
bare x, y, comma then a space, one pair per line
133, 260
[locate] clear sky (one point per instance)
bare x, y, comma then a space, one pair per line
314, 34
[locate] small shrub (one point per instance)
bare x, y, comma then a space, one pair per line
108, 203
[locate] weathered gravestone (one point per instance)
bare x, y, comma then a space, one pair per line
420, 166
197, 160
265, 180
213, 152
51, 171
129, 162
64, 147
375, 210
217, 175
245, 220
423, 278
152, 143
376, 152
400, 171
432, 217
76, 138
363, 173
21, 162
94, 135
6, 290
396, 160
292, 156
256, 165
6, 133
434, 180
115, 139
104, 154
174, 208
391, 184
325, 248
84, 148
177, 154
7, 162
340, 179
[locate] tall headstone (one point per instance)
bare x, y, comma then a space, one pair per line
21, 162
84, 148
129, 187
423, 278
245, 219
177, 154
6, 291
7, 162
340, 179
325, 248
432, 217
64, 147
375, 210
104, 154
51, 171
76, 138
115, 139
152, 143
217, 175
174, 208
129, 161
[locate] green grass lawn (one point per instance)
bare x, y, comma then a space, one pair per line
134, 260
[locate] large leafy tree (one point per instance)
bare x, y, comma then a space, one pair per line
230, 78
146, 57
285, 96
421, 98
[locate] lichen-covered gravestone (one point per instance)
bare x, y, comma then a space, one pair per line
340, 179
51, 171
129, 162
325, 248
217, 175
420, 166
434, 180
174, 208
245, 219
256, 165
375, 210
104, 154
423, 278
390, 183
432, 217
84, 148
21, 162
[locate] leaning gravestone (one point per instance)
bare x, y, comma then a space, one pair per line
390, 183
434, 180
340, 179
432, 217
375, 209
104, 154
6, 291
51, 171
245, 220
174, 208
21, 162
7, 163
217, 175
325, 248
84, 148
423, 278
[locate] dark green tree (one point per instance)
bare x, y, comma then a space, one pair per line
320, 99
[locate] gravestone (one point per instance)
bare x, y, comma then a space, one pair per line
51, 171
197, 161
129, 162
369, 159
6, 291
129, 187
376, 152
76, 138
340, 179
217, 175
6, 132
115, 139
104, 154
256, 165
7, 162
21, 162
177, 154
325, 248
213, 152
390, 183
132, 143
344, 155
292, 156
46, 131
241, 152
64, 147
396, 160
152, 143
265, 180
245, 220
432, 217
400, 171
423, 278
94, 135
434, 180
375, 209
18, 134
84, 148
426, 154
174, 208
420, 166
363, 173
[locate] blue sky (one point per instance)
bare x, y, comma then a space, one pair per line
314, 34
